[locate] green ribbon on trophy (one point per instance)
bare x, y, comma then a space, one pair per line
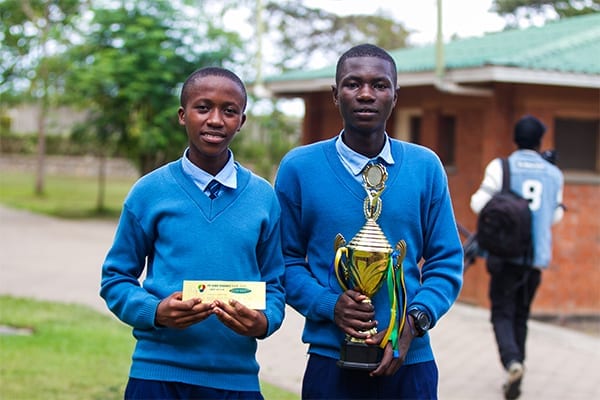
365, 264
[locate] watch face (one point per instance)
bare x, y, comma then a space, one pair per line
423, 321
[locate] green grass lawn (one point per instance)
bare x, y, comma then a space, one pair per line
71, 353
64, 196
68, 352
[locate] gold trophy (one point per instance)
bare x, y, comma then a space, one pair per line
365, 264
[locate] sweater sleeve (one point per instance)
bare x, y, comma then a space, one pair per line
304, 292
442, 270
122, 268
270, 260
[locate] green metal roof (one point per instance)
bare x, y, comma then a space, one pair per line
569, 45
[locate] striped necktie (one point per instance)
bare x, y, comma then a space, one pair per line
213, 188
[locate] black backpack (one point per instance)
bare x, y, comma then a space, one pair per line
504, 223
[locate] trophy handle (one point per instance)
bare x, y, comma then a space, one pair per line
337, 263
339, 241
401, 249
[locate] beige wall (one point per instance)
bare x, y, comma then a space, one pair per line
60, 121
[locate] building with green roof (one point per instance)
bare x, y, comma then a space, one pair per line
462, 100
564, 52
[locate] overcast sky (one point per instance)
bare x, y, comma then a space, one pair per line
465, 18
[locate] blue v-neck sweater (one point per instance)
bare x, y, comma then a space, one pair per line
320, 198
175, 232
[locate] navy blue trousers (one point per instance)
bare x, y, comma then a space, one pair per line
143, 389
323, 379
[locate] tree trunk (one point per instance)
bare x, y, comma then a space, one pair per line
41, 150
102, 172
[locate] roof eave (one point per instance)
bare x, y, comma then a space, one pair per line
542, 77
459, 76
300, 85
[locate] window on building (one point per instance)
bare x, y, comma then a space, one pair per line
410, 128
415, 129
446, 140
577, 144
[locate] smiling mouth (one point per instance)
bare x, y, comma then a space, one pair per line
212, 136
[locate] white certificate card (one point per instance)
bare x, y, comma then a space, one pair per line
250, 294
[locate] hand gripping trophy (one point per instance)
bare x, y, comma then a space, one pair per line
365, 264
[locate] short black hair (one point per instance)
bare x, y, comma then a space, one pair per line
210, 71
367, 50
528, 132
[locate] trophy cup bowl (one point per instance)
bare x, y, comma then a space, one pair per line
363, 266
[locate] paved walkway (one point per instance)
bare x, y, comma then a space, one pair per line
51, 259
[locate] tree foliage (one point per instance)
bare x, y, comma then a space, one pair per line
34, 33
516, 10
264, 140
303, 34
129, 70
122, 62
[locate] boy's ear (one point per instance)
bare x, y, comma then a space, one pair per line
243, 121
334, 93
181, 115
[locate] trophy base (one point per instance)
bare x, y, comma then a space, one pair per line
359, 356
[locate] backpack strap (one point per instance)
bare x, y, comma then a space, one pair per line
505, 175
528, 256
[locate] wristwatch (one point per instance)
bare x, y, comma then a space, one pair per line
422, 323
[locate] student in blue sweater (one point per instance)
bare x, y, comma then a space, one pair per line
176, 225
321, 194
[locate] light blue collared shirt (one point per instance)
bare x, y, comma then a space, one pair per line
355, 162
226, 177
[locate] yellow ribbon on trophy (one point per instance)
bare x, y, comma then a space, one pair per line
392, 334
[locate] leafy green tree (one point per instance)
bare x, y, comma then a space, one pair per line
33, 34
264, 140
127, 73
516, 10
129, 70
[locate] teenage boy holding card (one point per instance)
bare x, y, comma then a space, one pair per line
203, 217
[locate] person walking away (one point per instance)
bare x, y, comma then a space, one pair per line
514, 281
321, 193
176, 225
